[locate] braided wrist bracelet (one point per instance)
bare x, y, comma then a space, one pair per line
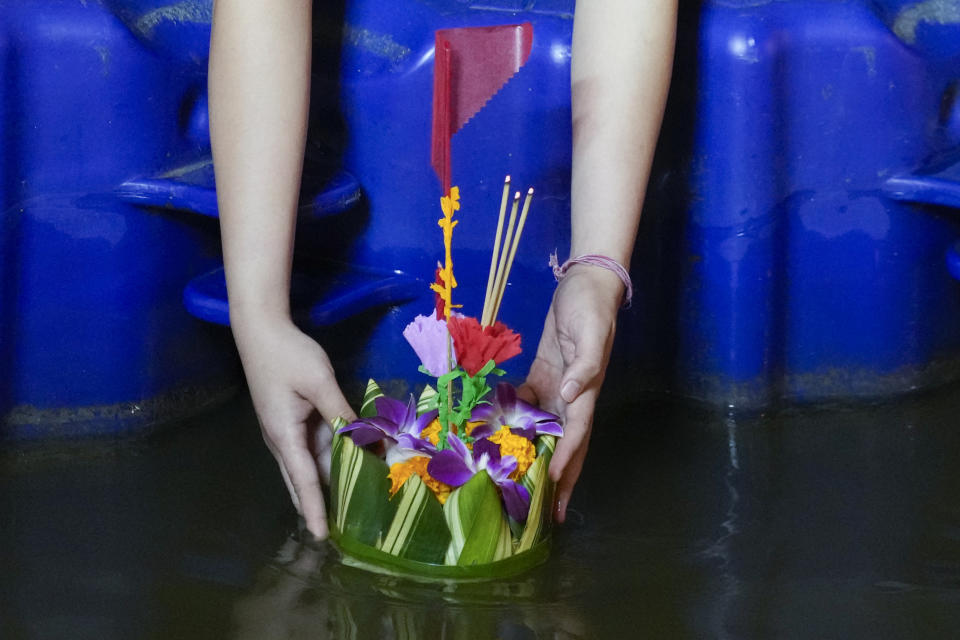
559, 271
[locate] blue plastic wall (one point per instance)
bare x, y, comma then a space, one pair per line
792, 248
807, 203
109, 240
94, 339
794, 239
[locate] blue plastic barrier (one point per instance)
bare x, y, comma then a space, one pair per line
106, 188
93, 337
792, 246
815, 207
793, 240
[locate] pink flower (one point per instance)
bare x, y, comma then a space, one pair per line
429, 338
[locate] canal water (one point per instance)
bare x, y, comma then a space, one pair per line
834, 522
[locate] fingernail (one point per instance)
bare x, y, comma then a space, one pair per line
570, 390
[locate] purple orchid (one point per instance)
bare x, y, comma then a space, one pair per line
456, 465
399, 424
430, 338
506, 409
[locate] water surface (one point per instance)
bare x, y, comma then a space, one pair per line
839, 522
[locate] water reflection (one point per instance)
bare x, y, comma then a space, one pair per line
308, 590
723, 604
834, 522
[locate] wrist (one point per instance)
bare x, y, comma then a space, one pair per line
620, 255
251, 319
606, 283
258, 291
603, 272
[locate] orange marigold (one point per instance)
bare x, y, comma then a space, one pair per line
431, 432
400, 472
516, 446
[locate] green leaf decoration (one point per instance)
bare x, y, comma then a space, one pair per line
418, 531
428, 400
486, 369
450, 376
336, 459
367, 408
546, 444
477, 524
538, 483
473, 389
504, 540
360, 492
443, 406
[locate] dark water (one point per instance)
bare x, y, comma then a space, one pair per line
829, 523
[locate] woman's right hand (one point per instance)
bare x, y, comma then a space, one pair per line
570, 366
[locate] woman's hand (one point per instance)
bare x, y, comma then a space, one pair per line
569, 368
296, 397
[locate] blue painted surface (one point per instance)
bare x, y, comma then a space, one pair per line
192, 188
935, 184
805, 276
321, 299
107, 196
953, 260
93, 337
792, 245
775, 259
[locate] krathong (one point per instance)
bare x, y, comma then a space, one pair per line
453, 484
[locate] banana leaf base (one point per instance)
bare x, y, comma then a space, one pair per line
362, 556
468, 537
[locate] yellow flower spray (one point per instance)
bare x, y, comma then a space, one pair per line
449, 205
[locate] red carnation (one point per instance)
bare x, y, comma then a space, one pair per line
476, 346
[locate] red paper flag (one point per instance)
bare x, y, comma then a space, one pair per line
470, 65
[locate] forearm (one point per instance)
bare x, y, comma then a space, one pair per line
622, 59
259, 102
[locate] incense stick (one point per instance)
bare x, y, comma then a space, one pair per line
502, 285
487, 298
502, 260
